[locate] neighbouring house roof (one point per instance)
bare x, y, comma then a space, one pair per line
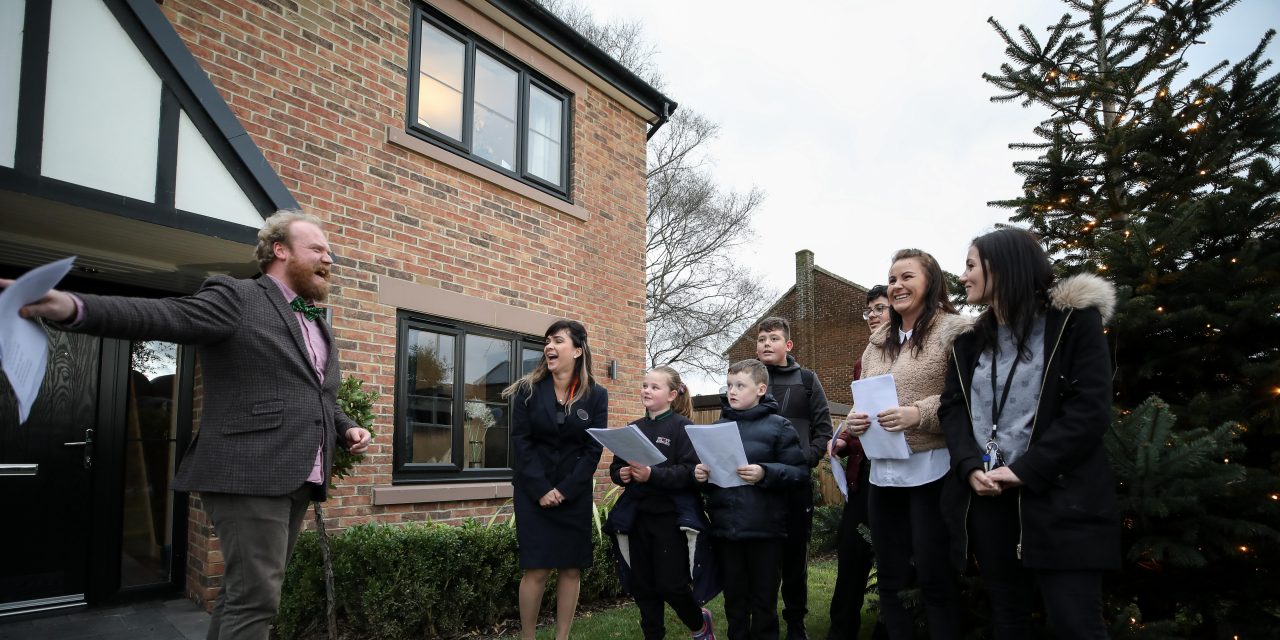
773, 308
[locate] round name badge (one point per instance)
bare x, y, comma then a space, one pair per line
583, 415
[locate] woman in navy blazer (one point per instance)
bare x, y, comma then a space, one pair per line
554, 463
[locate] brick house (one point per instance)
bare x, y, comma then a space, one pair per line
825, 312
480, 168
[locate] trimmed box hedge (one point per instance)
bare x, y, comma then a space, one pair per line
418, 580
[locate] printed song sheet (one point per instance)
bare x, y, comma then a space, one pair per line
630, 444
719, 447
871, 396
24, 347
837, 469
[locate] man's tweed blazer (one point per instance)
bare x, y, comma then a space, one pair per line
265, 411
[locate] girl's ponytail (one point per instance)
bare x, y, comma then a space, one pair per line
683, 404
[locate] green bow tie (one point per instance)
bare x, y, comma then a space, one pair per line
310, 311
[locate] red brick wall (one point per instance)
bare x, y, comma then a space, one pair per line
316, 84
835, 336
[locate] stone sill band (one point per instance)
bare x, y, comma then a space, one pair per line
419, 494
409, 142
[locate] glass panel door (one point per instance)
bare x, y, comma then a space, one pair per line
151, 430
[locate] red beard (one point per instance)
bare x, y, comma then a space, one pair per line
302, 280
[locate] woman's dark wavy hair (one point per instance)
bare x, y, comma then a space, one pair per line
582, 375
1017, 280
936, 290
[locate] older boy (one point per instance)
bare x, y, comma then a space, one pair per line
802, 401
748, 522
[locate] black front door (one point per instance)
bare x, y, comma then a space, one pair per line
46, 479
86, 510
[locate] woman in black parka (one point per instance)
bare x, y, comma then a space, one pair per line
554, 460
1027, 400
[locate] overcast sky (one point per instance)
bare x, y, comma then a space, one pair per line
867, 123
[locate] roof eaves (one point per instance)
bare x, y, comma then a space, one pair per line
841, 279
552, 29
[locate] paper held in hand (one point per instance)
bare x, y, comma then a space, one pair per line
837, 469
871, 396
24, 347
630, 444
719, 448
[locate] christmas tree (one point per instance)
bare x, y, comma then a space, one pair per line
1200, 530
1170, 187
1168, 184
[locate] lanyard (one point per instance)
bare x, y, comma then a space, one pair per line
569, 397
997, 409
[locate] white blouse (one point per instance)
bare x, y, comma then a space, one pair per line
919, 468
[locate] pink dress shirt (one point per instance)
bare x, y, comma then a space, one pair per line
318, 350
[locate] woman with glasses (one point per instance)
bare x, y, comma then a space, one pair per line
554, 460
1027, 399
877, 310
854, 554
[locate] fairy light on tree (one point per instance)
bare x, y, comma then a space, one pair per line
1165, 182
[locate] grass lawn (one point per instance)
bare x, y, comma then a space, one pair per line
623, 621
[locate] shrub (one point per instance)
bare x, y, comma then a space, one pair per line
826, 526
418, 580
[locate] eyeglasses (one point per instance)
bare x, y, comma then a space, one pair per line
877, 310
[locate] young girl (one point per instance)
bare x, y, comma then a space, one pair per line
659, 519
1028, 397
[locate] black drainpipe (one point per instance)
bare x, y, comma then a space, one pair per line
662, 119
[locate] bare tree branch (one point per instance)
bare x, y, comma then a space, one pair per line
698, 296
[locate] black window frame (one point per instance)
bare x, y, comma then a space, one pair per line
406, 472
527, 77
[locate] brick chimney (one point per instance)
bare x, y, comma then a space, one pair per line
804, 306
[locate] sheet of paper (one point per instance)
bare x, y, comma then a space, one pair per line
837, 469
719, 447
630, 444
871, 396
24, 347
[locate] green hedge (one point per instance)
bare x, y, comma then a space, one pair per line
418, 580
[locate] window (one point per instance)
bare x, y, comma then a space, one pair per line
474, 100
452, 422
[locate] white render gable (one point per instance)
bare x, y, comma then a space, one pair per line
204, 185
102, 104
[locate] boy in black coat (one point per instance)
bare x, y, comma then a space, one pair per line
748, 522
803, 403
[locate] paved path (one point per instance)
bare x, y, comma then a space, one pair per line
177, 619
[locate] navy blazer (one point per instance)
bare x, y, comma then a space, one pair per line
549, 455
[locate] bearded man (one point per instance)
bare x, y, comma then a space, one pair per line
270, 418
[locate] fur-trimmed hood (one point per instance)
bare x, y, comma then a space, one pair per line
1083, 291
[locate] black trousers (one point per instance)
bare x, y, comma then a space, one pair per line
907, 526
1072, 599
854, 558
750, 570
660, 573
795, 556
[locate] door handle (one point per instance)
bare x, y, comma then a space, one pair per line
88, 447
18, 469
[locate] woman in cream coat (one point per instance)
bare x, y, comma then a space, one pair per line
906, 519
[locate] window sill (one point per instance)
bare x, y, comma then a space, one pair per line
417, 494
407, 141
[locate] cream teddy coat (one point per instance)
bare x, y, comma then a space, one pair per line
919, 378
